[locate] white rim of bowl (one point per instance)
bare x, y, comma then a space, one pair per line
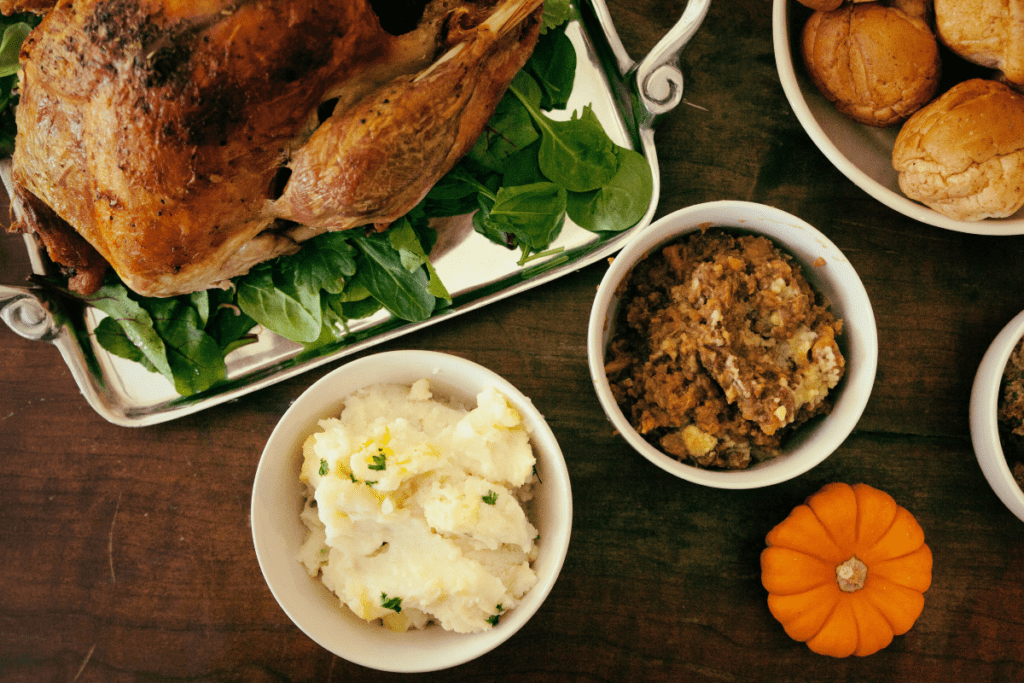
984, 423
718, 214
474, 645
787, 75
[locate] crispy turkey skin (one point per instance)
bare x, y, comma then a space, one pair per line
180, 142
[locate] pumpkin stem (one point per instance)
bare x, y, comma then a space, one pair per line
850, 575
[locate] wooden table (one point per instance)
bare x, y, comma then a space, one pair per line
126, 554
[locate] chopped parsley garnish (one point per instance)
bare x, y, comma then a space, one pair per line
379, 461
495, 618
370, 483
491, 498
353, 478
390, 603
324, 469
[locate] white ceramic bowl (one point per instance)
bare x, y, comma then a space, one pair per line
836, 280
278, 532
984, 425
862, 153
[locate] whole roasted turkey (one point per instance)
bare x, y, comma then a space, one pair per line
184, 141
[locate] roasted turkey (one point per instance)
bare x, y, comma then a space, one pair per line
184, 141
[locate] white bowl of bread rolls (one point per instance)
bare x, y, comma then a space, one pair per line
919, 103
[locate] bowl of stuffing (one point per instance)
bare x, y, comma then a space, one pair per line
733, 345
997, 415
411, 511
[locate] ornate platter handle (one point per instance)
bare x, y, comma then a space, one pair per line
659, 80
658, 77
23, 310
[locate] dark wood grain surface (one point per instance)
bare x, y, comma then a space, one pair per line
126, 554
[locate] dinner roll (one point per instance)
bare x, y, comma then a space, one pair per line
875, 63
963, 154
826, 5
986, 32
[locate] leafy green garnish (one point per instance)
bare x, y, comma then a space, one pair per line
577, 154
508, 131
169, 336
491, 498
621, 202
556, 13
519, 173
407, 236
15, 29
553, 65
390, 603
379, 463
533, 214
324, 468
10, 47
284, 295
379, 268
495, 618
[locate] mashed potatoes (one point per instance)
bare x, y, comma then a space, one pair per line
414, 508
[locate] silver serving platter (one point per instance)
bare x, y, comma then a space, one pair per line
627, 97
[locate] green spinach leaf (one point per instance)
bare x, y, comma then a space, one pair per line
619, 204
227, 324
16, 28
406, 240
553, 65
576, 154
556, 12
111, 336
278, 308
113, 299
509, 130
532, 213
523, 168
380, 270
194, 357
10, 47
323, 263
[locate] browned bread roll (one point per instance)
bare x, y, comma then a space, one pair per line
875, 63
963, 154
986, 32
826, 5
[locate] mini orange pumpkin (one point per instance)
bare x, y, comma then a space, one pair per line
846, 571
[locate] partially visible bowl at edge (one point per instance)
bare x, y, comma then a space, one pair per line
988, 447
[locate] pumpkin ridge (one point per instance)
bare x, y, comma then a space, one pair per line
831, 612
828, 533
901, 534
898, 557
805, 551
868, 602
882, 535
